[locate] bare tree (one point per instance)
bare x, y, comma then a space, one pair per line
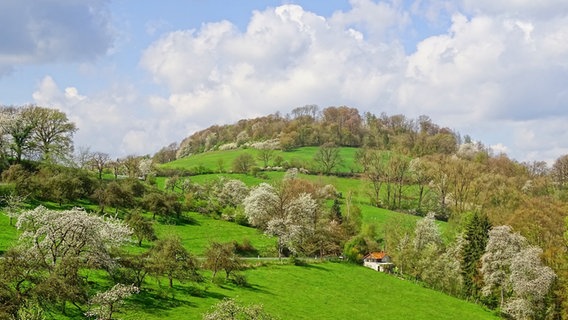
99, 161
328, 158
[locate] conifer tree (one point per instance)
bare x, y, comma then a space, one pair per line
476, 235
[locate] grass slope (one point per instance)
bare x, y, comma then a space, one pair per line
212, 161
317, 291
197, 235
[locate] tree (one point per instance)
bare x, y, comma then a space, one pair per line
531, 283
229, 309
502, 246
61, 243
475, 236
14, 205
56, 236
265, 155
374, 170
107, 303
19, 127
291, 216
164, 205
243, 163
141, 227
99, 161
231, 193
52, 133
560, 170
327, 158
222, 256
132, 165
426, 233
170, 259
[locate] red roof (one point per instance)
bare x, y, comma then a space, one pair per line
375, 255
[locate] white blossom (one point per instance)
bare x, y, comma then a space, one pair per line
105, 303
261, 205
53, 235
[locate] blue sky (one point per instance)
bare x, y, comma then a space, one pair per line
138, 75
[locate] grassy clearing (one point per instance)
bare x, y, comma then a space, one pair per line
216, 161
197, 235
315, 291
8, 234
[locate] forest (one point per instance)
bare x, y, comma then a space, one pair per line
461, 220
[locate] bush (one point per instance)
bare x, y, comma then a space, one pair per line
246, 248
240, 280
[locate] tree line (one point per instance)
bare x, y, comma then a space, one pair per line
310, 126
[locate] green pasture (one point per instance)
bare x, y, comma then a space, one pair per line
8, 234
315, 291
202, 230
219, 161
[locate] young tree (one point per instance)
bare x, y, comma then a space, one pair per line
327, 158
170, 259
476, 236
141, 227
265, 155
229, 309
61, 243
99, 161
243, 163
280, 212
107, 303
231, 193
374, 170
222, 256
502, 246
70, 235
531, 283
14, 205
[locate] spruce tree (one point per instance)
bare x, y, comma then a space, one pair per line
476, 235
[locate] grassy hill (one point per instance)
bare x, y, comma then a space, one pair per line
315, 291
213, 161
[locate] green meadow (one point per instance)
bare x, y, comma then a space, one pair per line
315, 291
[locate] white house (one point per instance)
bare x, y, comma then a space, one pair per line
378, 261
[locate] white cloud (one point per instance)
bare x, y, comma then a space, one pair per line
36, 32
491, 69
498, 75
110, 121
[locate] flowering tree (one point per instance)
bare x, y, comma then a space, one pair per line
514, 269
502, 246
57, 245
292, 218
55, 236
231, 192
229, 309
107, 302
531, 282
14, 205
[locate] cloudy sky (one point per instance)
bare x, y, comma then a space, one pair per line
137, 75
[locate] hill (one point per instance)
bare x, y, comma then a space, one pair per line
320, 291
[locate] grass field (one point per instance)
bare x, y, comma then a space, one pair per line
8, 234
315, 291
197, 235
213, 161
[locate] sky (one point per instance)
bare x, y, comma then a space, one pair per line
137, 75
